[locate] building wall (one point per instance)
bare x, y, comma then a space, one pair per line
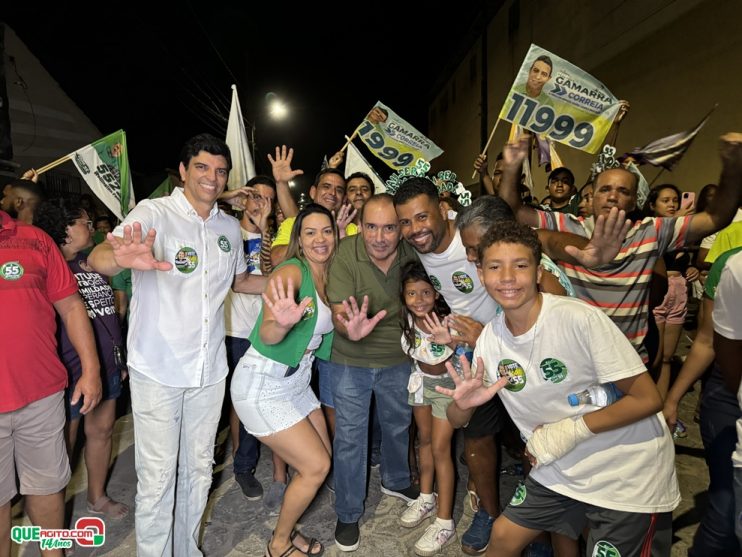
672, 60
45, 123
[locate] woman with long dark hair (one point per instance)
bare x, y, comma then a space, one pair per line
270, 389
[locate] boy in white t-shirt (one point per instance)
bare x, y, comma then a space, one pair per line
611, 469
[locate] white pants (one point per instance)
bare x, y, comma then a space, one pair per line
174, 429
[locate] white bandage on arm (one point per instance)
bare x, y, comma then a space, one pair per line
552, 441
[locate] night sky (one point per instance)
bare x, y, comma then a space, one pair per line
164, 79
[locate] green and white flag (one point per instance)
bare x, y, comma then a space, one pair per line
104, 165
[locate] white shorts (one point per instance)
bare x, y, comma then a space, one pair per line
267, 401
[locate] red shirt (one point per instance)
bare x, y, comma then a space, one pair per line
33, 275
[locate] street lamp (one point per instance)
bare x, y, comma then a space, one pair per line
278, 110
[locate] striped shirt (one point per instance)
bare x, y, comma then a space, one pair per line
621, 288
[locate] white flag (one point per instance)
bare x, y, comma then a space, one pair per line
242, 165
355, 162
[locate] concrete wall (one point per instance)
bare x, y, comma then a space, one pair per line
45, 123
672, 60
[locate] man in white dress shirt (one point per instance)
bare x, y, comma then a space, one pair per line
185, 255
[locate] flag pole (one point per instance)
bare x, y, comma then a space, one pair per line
355, 133
487, 146
54, 164
658, 175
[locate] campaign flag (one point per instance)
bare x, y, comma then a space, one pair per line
394, 140
356, 162
667, 151
242, 164
104, 165
555, 98
165, 188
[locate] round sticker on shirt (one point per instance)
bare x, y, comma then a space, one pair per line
12, 270
553, 370
435, 282
515, 374
519, 496
605, 549
224, 244
186, 260
309, 311
418, 340
462, 282
437, 350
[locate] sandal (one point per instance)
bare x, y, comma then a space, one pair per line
311, 544
109, 508
286, 553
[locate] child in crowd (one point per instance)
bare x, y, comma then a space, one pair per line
427, 340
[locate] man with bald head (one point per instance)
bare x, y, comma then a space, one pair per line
621, 288
367, 358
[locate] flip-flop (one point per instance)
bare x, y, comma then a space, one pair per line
312, 543
109, 508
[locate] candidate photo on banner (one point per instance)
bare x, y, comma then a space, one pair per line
556, 99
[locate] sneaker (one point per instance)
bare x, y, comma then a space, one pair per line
476, 539
408, 494
274, 497
251, 488
346, 536
416, 512
435, 538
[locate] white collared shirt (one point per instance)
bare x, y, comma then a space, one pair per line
176, 324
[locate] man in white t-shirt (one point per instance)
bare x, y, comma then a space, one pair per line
609, 469
727, 318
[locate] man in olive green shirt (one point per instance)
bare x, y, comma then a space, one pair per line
367, 358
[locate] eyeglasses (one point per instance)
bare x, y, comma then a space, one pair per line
89, 223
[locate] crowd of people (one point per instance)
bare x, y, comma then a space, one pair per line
362, 330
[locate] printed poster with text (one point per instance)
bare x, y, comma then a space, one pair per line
558, 100
394, 140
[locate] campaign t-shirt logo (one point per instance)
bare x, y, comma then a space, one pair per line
553, 370
437, 350
418, 340
462, 282
605, 549
309, 311
12, 270
186, 260
515, 374
223, 243
519, 496
435, 282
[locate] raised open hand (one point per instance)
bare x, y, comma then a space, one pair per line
286, 312
344, 217
470, 391
281, 165
608, 236
357, 323
439, 332
133, 252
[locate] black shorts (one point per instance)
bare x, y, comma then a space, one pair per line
612, 533
487, 420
